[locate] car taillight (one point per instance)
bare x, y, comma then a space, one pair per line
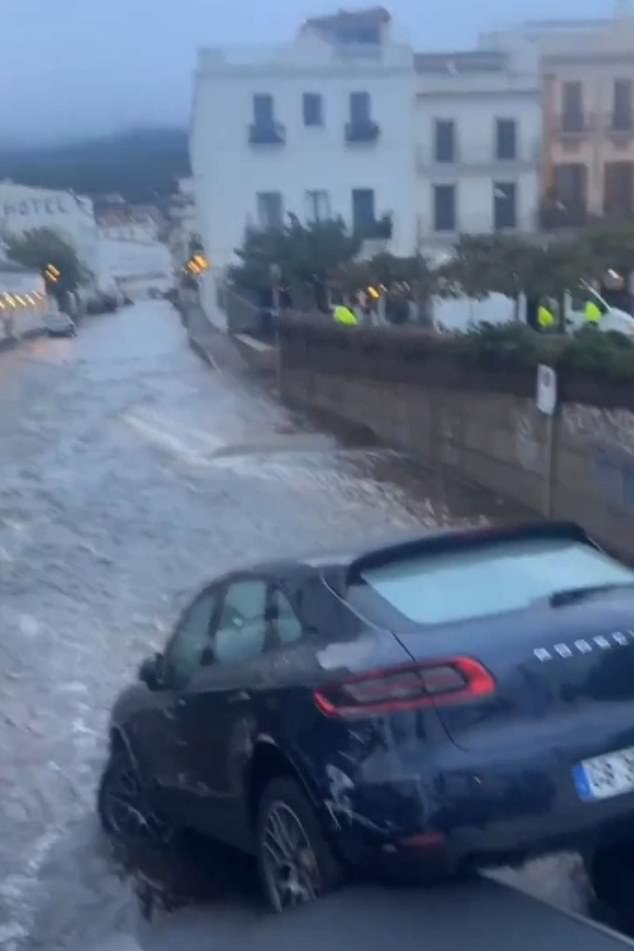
440, 682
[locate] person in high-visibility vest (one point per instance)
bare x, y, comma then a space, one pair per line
546, 319
592, 313
344, 316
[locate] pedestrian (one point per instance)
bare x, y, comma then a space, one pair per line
592, 313
546, 319
342, 314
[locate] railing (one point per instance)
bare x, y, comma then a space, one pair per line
570, 215
362, 131
271, 133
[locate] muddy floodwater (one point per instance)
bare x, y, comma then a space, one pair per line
131, 473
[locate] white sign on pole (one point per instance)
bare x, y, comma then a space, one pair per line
546, 390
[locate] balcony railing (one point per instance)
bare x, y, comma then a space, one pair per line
379, 229
573, 124
620, 126
362, 131
269, 133
555, 215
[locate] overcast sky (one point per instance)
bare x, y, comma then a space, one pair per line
72, 68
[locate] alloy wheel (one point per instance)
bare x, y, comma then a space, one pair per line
124, 805
289, 861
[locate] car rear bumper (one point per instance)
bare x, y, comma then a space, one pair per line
477, 817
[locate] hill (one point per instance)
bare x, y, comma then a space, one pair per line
140, 164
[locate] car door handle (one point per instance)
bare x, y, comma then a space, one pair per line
240, 696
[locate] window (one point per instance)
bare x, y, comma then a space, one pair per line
185, 652
241, 633
504, 205
444, 207
317, 205
270, 210
287, 625
572, 107
487, 579
313, 109
360, 107
618, 188
505, 139
622, 109
570, 183
445, 144
363, 219
263, 109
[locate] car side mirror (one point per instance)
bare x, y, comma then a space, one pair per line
151, 671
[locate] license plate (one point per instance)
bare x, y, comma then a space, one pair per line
605, 776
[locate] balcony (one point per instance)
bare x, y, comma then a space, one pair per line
270, 133
620, 128
379, 229
362, 131
573, 125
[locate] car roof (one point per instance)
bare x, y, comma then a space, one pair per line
338, 566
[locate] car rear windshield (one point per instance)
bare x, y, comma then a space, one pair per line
435, 588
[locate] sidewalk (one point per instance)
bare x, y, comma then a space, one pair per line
214, 346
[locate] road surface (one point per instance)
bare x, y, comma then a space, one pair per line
131, 473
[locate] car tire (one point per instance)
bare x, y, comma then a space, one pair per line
295, 861
123, 805
610, 871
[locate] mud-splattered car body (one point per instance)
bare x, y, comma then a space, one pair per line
438, 743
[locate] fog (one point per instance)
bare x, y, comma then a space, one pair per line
71, 69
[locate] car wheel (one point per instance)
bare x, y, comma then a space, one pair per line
610, 871
123, 805
295, 861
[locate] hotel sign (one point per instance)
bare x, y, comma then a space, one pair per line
34, 206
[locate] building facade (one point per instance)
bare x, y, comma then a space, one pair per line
587, 72
478, 131
321, 128
183, 223
408, 149
23, 208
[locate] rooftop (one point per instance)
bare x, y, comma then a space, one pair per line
351, 26
470, 61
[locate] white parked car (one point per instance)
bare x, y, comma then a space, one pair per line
60, 325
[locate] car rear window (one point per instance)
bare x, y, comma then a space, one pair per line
470, 583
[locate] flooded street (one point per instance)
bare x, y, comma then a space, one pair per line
131, 473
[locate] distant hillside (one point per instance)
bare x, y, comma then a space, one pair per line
140, 164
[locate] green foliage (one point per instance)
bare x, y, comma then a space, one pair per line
301, 255
386, 269
608, 356
596, 354
38, 248
499, 344
510, 265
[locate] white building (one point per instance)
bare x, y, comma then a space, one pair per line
322, 127
23, 208
478, 134
409, 149
183, 222
135, 268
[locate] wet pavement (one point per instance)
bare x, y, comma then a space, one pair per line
131, 473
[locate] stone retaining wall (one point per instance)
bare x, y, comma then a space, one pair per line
580, 467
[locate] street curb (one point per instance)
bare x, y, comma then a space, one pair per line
202, 352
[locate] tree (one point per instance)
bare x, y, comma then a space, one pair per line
40, 248
304, 257
501, 264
